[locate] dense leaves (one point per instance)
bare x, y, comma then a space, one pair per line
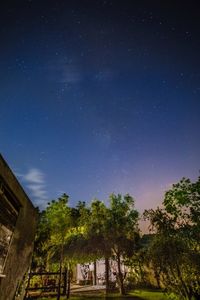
84, 233
175, 250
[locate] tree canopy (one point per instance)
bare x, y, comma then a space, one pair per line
175, 250
87, 232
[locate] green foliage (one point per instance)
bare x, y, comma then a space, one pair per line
114, 227
122, 225
58, 216
182, 202
42, 237
175, 250
108, 231
95, 224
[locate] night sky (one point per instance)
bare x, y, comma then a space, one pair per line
99, 97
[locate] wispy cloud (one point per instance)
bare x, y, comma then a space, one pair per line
34, 179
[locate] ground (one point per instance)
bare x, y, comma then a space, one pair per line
134, 295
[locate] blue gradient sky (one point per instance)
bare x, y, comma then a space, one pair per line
99, 97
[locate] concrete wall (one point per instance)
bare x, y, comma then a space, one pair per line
21, 247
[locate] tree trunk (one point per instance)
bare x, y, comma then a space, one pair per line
68, 282
107, 273
157, 277
65, 282
60, 273
120, 276
95, 273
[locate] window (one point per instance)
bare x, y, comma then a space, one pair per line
9, 210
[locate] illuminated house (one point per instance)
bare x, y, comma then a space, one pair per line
95, 273
17, 231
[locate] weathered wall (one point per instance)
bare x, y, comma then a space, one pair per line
21, 247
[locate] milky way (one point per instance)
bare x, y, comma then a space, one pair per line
100, 97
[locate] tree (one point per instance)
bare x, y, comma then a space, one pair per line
175, 251
122, 232
87, 233
112, 232
182, 203
40, 254
139, 272
94, 220
59, 223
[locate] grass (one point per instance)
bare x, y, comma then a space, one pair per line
149, 295
134, 295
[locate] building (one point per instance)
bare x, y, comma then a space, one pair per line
17, 231
95, 273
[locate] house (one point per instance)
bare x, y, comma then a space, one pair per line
94, 273
17, 231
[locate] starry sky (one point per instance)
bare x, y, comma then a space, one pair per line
99, 97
